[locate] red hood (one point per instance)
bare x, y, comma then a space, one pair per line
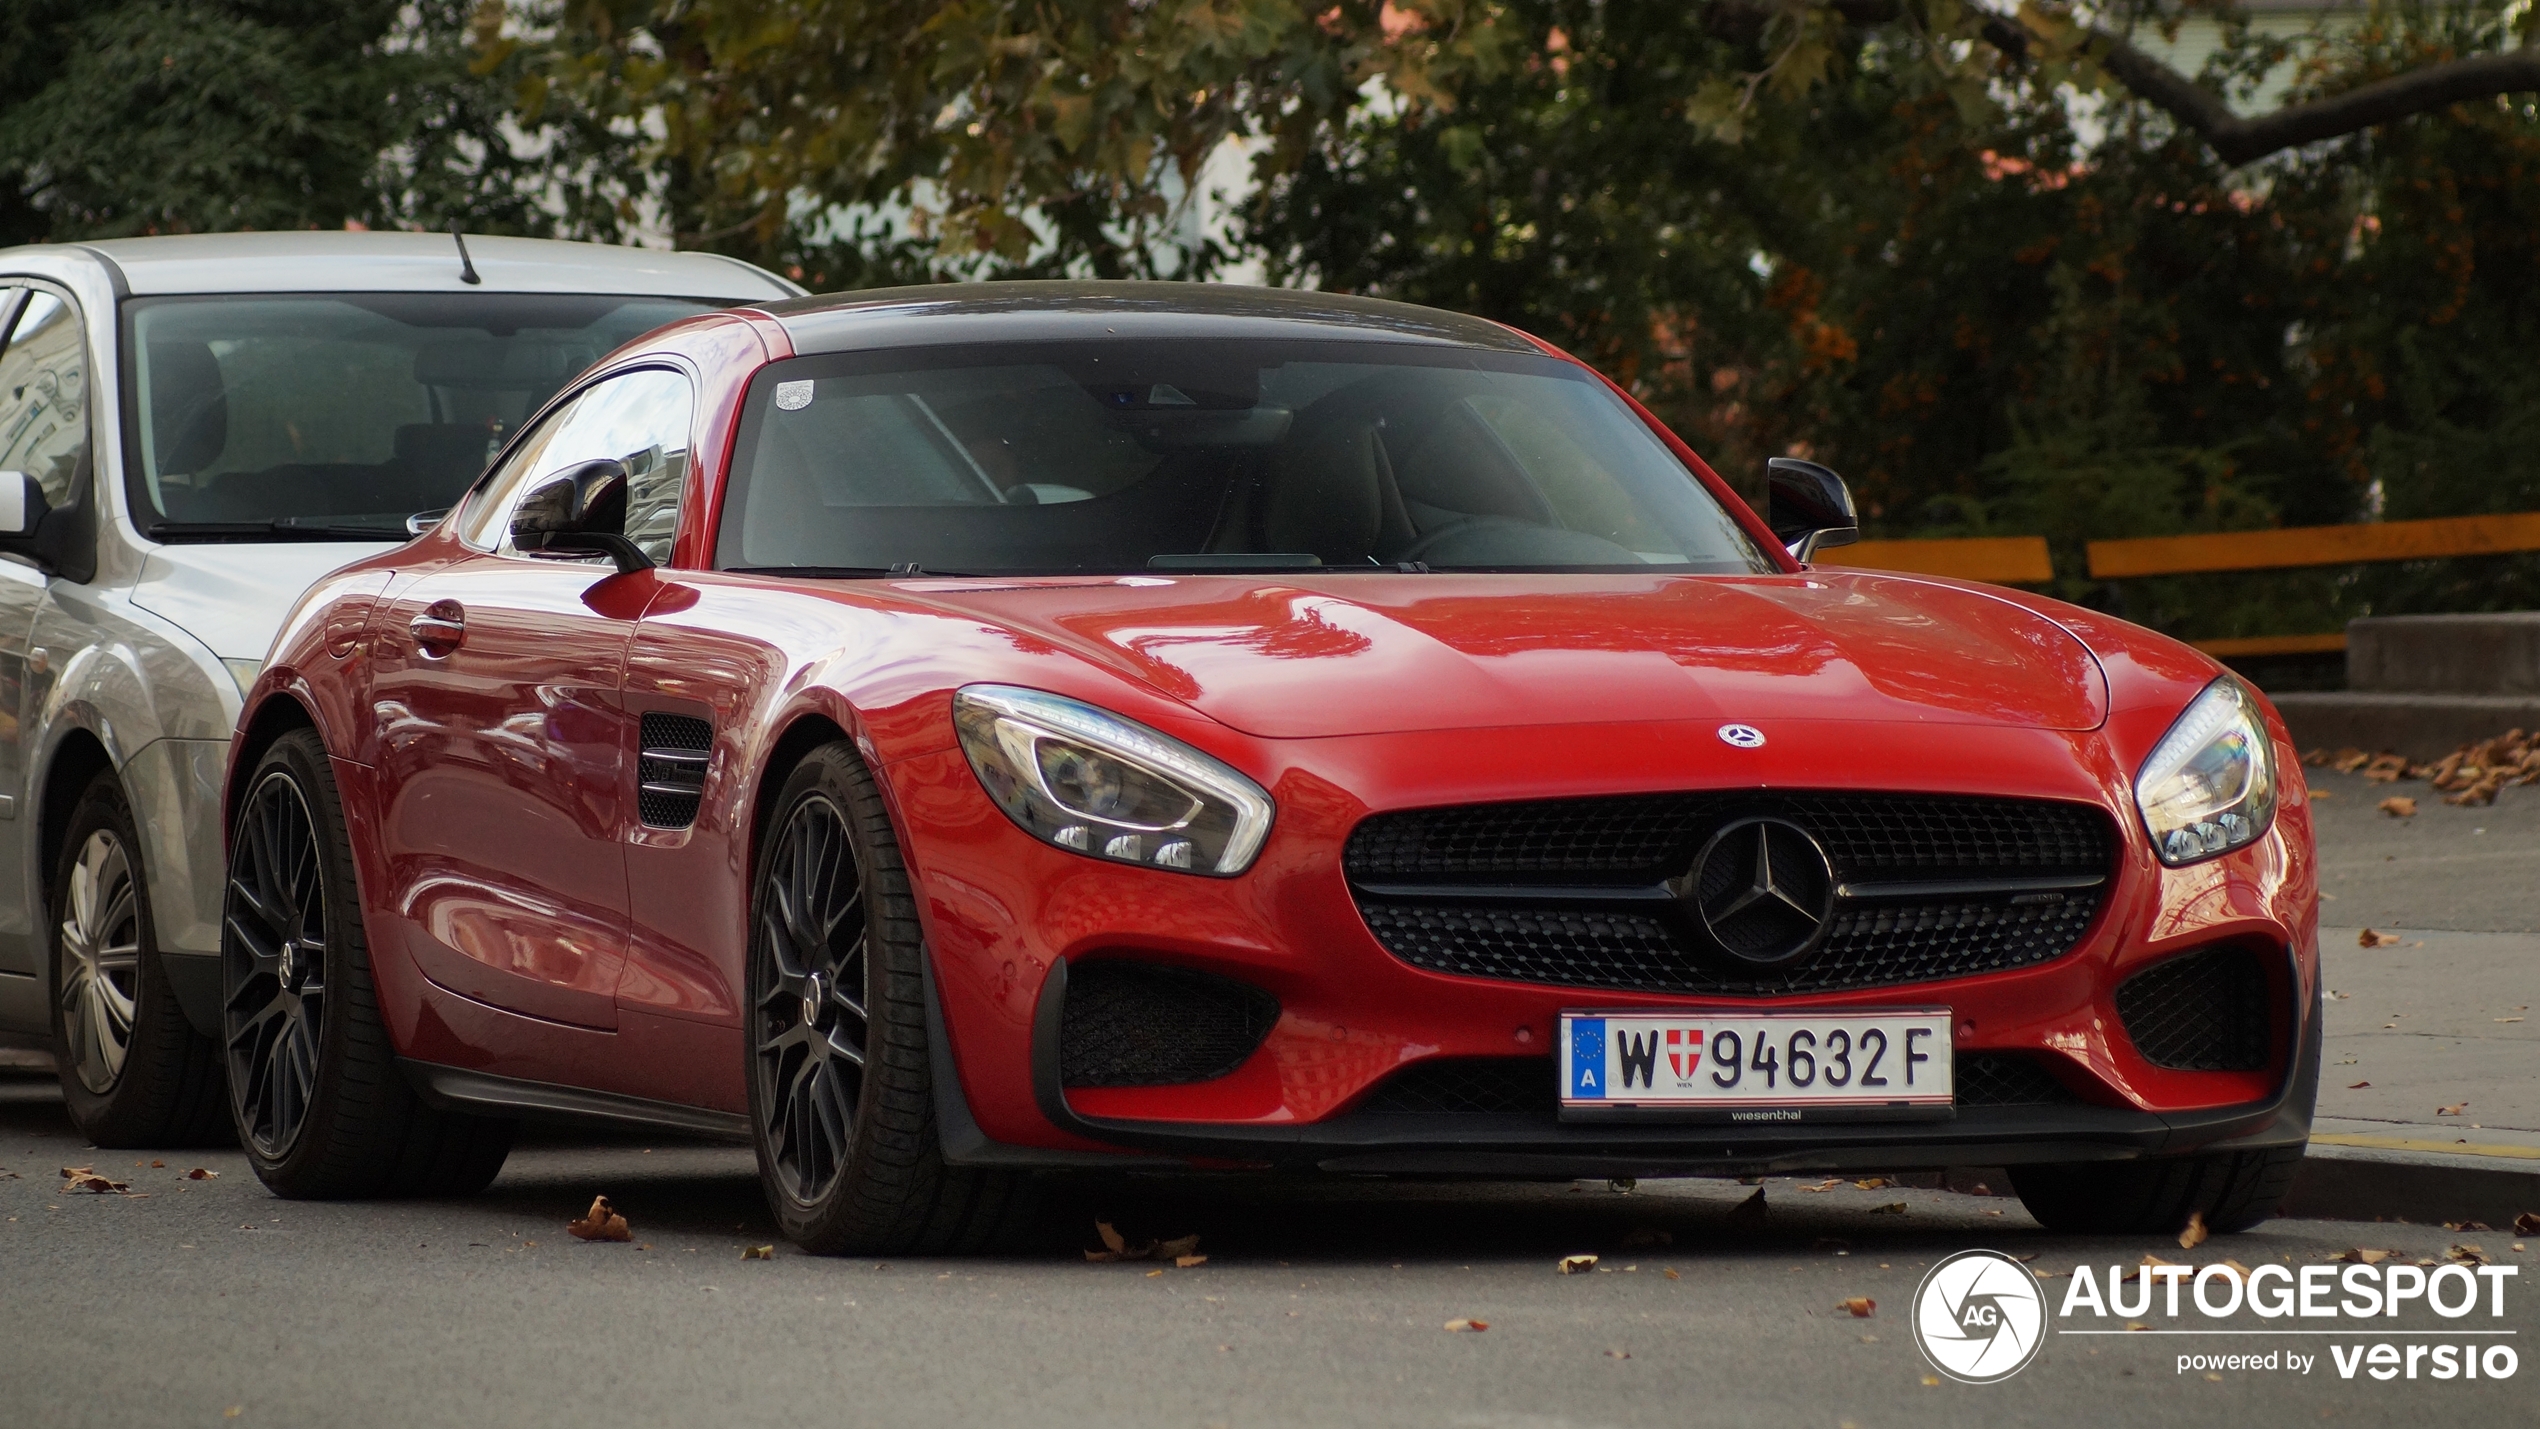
1361, 654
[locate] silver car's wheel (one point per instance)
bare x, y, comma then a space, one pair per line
101, 961
134, 1071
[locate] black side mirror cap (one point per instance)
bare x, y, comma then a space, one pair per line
580, 511
1808, 507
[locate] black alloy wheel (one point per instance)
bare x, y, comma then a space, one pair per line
315, 1092
841, 1089
809, 1023
134, 1071
274, 946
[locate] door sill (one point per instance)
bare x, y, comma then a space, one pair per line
460, 1089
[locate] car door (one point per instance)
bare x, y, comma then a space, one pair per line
502, 739
44, 423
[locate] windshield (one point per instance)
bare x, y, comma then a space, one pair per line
1207, 455
339, 416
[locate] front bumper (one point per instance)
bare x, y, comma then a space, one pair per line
1006, 917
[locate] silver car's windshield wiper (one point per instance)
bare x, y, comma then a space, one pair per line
286, 528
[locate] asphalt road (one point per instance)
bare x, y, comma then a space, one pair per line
1321, 1303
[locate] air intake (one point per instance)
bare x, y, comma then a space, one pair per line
1139, 1025
670, 773
2202, 1012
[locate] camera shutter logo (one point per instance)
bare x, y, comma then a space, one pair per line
1979, 1317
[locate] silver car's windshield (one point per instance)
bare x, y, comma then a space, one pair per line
1201, 454
317, 416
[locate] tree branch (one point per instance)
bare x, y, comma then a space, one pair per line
2236, 140
2239, 141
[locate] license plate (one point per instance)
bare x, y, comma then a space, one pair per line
1759, 1067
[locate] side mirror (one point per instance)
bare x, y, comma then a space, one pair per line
1808, 507
579, 512
21, 505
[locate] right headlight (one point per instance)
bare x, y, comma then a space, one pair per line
2209, 786
1083, 779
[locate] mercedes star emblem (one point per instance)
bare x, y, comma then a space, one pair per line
1741, 736
1764, 890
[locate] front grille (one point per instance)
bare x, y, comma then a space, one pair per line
1575, 892
1139, 1025
670, 770
2201, 1012
2004, 1079
1469, 1086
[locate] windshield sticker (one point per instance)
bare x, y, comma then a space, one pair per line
793, 396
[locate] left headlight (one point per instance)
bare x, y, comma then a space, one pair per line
2209, 786
1086, 780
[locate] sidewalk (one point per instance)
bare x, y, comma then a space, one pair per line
2443, 1018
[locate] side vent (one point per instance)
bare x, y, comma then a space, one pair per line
670, 775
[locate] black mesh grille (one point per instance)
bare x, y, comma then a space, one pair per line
1592, 848
2004, 1079
670, 773
1469, 1086
2203, 1012
1138, 1025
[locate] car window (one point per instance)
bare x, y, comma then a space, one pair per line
639, 418
1132, 455
44, 396
348, 412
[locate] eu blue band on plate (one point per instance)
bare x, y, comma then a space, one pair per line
1587, 1057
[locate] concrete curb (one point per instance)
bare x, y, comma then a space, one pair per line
2345, 1183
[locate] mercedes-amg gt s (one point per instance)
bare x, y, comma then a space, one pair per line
947, 733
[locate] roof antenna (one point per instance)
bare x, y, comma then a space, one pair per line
467, 269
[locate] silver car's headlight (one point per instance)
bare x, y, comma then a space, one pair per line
2209, 786
1091, 782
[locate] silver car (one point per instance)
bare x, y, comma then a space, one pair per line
192, 429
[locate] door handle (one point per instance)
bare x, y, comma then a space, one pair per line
439, 629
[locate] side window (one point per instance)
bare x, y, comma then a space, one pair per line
44, 396
639, 418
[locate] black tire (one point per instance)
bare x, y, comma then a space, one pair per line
2234, 1190
318, 1102
842, 1108
134, 1071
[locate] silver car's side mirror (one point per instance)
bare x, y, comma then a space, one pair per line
579, 512
21, 504
1808, 507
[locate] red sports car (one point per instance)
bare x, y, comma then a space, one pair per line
945, 734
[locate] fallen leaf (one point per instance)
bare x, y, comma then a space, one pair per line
1573, 1264
1154, 1273
2371, 939
1187, 1261
2239, 1271
2509, 1019
2455, 1109
1931, 1381
1111, 1238
1892, 1208
158, 1166
602, 1222
1827, 1184
2361, 1256
2136, 1325
233, 1411
2216, 1378
2528, 1223
2398, 806
85, 1180
758, 1252
1871, 1183
2348, 760
2153, 1260
2047, 1274
1471, 1326
1176, 1248
1621, 1185
1618, 1354
199, 1174
2469, 1255
2357, 1086
2193, 1235
2319, 794
1671, 1275
2467, 1226
1860, 1307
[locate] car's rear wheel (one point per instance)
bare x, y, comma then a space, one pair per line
841, 1097
314, 1089
134, 1071
2232, 1190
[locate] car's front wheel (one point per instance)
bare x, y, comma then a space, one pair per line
2232, 1190
134, 1071
841, 1099
314, 1089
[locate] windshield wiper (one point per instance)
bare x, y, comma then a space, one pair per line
905, 570
284, 528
